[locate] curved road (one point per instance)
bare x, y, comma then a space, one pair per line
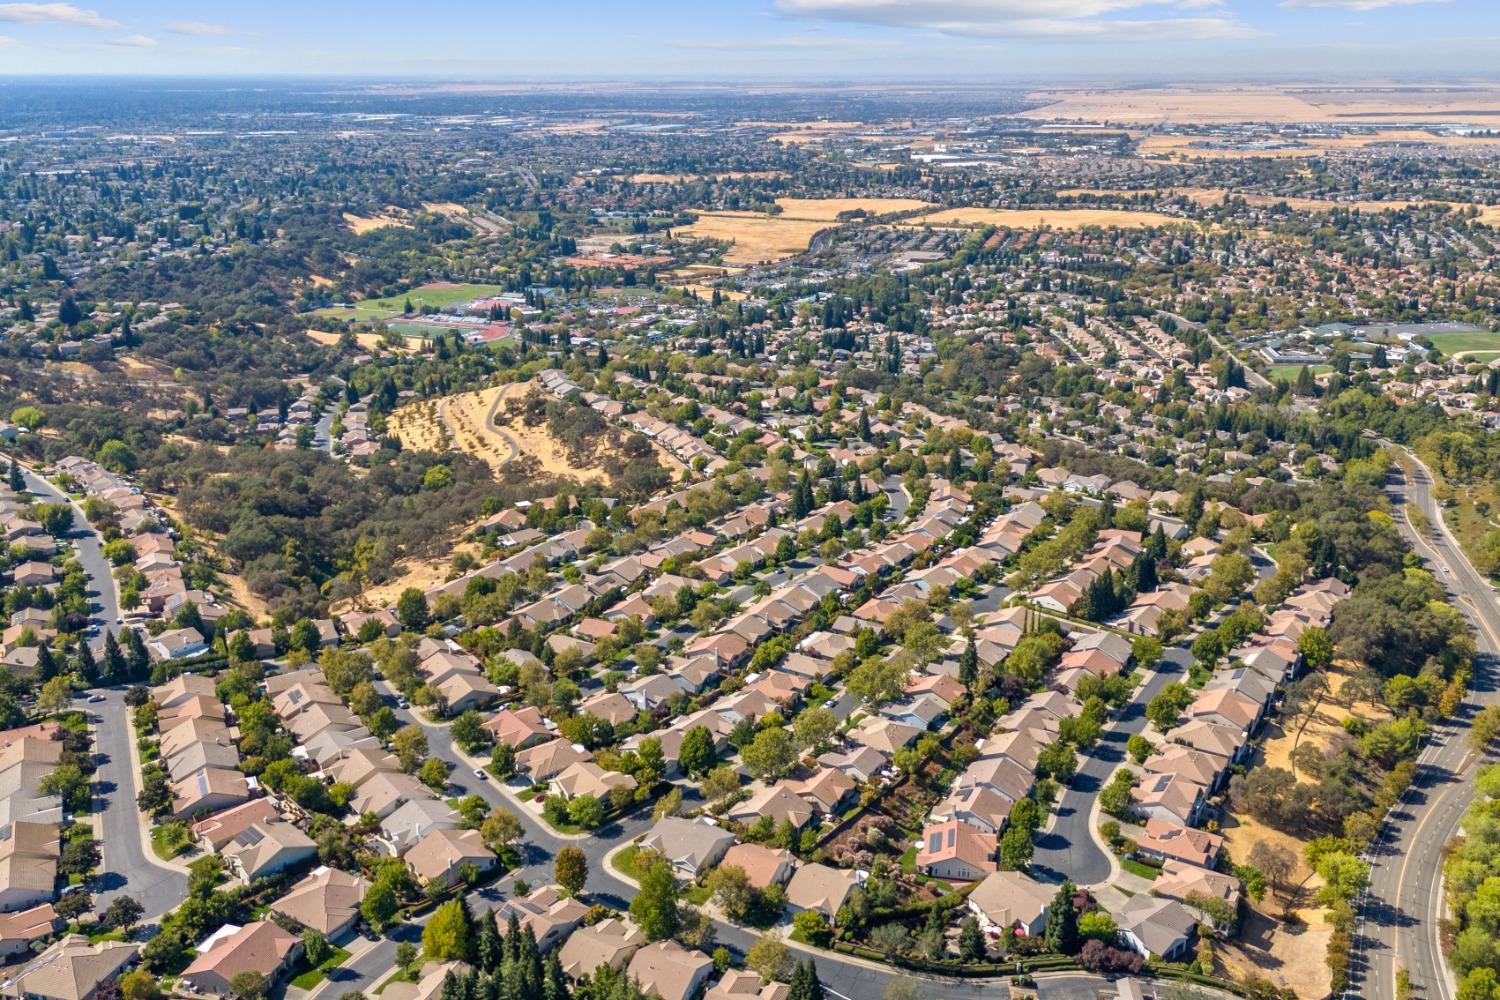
1070, 849
1402, 912
128, 867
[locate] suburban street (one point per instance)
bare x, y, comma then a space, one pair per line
130, 867
1071, 849
1403, 910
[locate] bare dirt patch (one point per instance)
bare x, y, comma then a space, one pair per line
1288, 956
361, 224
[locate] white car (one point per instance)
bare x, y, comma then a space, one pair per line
479, 773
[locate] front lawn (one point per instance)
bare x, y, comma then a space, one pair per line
1136, 868
624, 862
313, 977
170, 840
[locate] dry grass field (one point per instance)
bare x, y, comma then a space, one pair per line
361, 224
462, 422
757, 238
762, 238
1288, 104
447, 209
1057, 218
829, 209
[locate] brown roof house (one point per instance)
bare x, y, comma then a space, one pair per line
262, 946
267, 848
1011, 899
763, 866
28, 864
610, 942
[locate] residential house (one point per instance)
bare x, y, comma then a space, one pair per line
546, 912
1157, 928
819, 887
956, 851
443, 853
763, 866
669, 970
262, 946
1011, 900
692, 846
612, 942
326, 900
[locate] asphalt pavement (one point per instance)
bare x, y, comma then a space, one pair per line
1402, 913
1070, 849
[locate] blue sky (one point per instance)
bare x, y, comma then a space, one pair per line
776, 40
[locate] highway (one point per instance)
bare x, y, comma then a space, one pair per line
1403, 910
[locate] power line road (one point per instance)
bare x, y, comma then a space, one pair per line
1402, 912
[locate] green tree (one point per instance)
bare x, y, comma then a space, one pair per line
586, 811
697, 755
411, 609
654, 907
770, 957
1016, 848
410, 744
380, 905
770, 755
971, 947
1061, 933
571, 867
449, 934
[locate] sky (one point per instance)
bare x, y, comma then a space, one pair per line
758, 40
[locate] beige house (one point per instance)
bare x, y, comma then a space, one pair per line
28, 864
207, 791
267, 848
71, 969
819, 887
1011, 899
549, 914
430, 986
327, 901
610, 942
442, 853
217, 830
669, 970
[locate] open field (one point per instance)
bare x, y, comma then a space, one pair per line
1454, 343
437, 295
757, 238
1288, 373
1211, 104
829, 209
1057, 218
447, 209
361, 224
1326, 724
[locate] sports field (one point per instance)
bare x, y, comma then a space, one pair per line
438, 294
1455, 343
1288, 373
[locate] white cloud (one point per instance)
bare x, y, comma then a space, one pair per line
6, 40
199, 29
53, 13
134, 42
1351, 4
1066, 19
